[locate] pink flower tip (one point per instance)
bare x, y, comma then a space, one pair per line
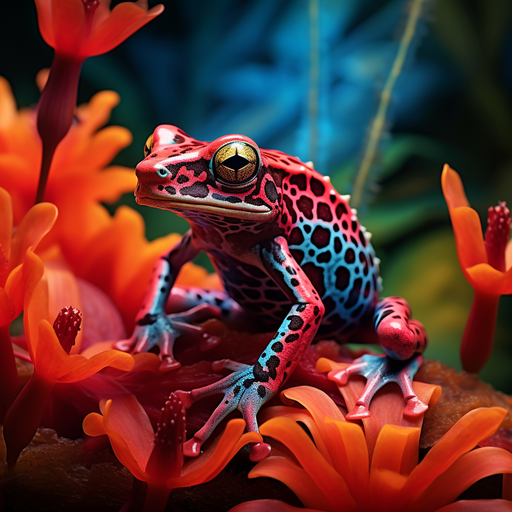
66, 326
497, 235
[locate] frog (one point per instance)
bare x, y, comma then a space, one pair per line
293, 259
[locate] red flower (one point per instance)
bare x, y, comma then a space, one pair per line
77, 29
84, 28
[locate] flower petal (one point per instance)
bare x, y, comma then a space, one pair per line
319, 406
467, 470
462, 437
5, 220
323, 474
469, 238
54, 364
453, 189
36, 223
490, 281
478, 506
95, 425
266, 505
126, 417
349, 452
295, 478
125, 19
214, 459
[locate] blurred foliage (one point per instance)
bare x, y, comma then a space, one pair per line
225, 67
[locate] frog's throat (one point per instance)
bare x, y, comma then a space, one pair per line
246, 211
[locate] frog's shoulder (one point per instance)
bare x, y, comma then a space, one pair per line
300, 174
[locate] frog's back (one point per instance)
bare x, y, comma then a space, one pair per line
327, 240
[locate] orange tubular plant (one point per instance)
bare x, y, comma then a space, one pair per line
157, 458
51, 360
486, 264
95, 30
334, 470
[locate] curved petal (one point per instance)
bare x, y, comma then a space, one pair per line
470, 468
54, 364
323, 474
396, 449
478, 506
69, 26
214, 459
125, 416
394, 457
490, 281
469, 238
320, 406
295, 478
36, 223
266, 505
462, 437
125, 19
453, 189
94, 425
7, 310
5, 220
349, 452
44, 20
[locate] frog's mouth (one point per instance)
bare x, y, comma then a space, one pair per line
238, 211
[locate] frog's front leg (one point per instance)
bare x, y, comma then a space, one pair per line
404, 340
152, 326
249, 387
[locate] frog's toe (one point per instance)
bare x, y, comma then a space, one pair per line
192, 447
259, 451
124, 345
358, 412
168, 364
415, 407
379, 371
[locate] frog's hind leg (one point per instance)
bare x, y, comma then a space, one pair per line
403, 339
400, 336
192, 304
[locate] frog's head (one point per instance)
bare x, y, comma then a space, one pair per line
227, 177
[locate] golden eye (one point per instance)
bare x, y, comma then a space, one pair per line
236, 162
148, 147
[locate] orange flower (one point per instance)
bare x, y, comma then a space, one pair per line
334, 471
80, 178
95, 29
51, 362
157, 458
36, 223
487, 265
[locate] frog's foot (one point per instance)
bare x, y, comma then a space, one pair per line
161, 331
379, 371
242, 391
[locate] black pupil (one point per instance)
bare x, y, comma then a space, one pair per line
235, 162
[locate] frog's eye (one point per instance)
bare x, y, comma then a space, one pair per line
148, 147
236, 162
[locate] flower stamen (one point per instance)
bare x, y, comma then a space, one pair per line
167, 455
497, 235
66, 327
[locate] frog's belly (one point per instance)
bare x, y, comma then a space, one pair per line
261, 297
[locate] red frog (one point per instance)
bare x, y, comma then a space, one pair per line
291, 255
